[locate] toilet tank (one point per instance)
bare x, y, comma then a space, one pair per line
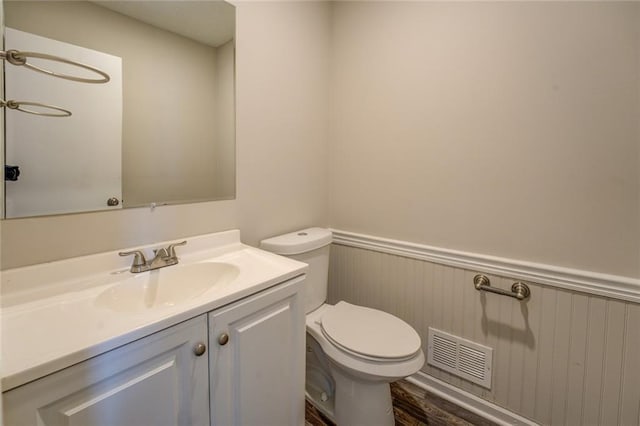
310, 246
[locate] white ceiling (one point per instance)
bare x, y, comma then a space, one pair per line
210, 22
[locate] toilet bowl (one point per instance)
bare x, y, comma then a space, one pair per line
360, 360
353, 352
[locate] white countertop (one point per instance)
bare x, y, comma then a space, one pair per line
50, 321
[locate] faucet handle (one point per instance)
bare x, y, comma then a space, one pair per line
172, 248
139, 261
161, 252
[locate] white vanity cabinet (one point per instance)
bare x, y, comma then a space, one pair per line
251, 373
256, 359
157, 380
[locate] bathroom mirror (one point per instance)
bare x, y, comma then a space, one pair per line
160, 131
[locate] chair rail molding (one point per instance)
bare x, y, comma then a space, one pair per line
611, 286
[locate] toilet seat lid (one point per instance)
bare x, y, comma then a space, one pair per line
370, 332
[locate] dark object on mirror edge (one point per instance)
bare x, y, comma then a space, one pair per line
11, 173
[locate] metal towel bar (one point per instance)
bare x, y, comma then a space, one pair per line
17, 105
519, 290
16, 57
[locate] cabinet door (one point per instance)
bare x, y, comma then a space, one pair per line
257, 359
157, 380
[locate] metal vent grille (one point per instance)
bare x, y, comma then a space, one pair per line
461, 357
444, 351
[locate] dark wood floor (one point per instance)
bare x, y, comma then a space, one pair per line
414, 406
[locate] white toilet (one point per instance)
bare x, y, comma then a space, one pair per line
353, 352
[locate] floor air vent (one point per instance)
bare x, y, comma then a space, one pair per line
461, 357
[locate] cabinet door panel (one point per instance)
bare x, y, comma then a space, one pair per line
153, 381
151, 386
257, 377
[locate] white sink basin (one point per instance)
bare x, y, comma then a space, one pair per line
166, 287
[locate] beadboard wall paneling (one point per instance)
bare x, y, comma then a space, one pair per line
611, 286
560, 358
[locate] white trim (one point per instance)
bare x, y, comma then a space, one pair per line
468, 401
613, 286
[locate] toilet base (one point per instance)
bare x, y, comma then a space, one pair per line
345, 398
361, 403
324, 407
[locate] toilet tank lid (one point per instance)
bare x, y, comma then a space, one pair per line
298, 242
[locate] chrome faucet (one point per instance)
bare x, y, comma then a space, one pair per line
162, 257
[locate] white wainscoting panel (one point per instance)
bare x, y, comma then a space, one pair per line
563, 357
613, 286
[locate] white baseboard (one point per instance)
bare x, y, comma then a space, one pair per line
469, 401
612, 286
